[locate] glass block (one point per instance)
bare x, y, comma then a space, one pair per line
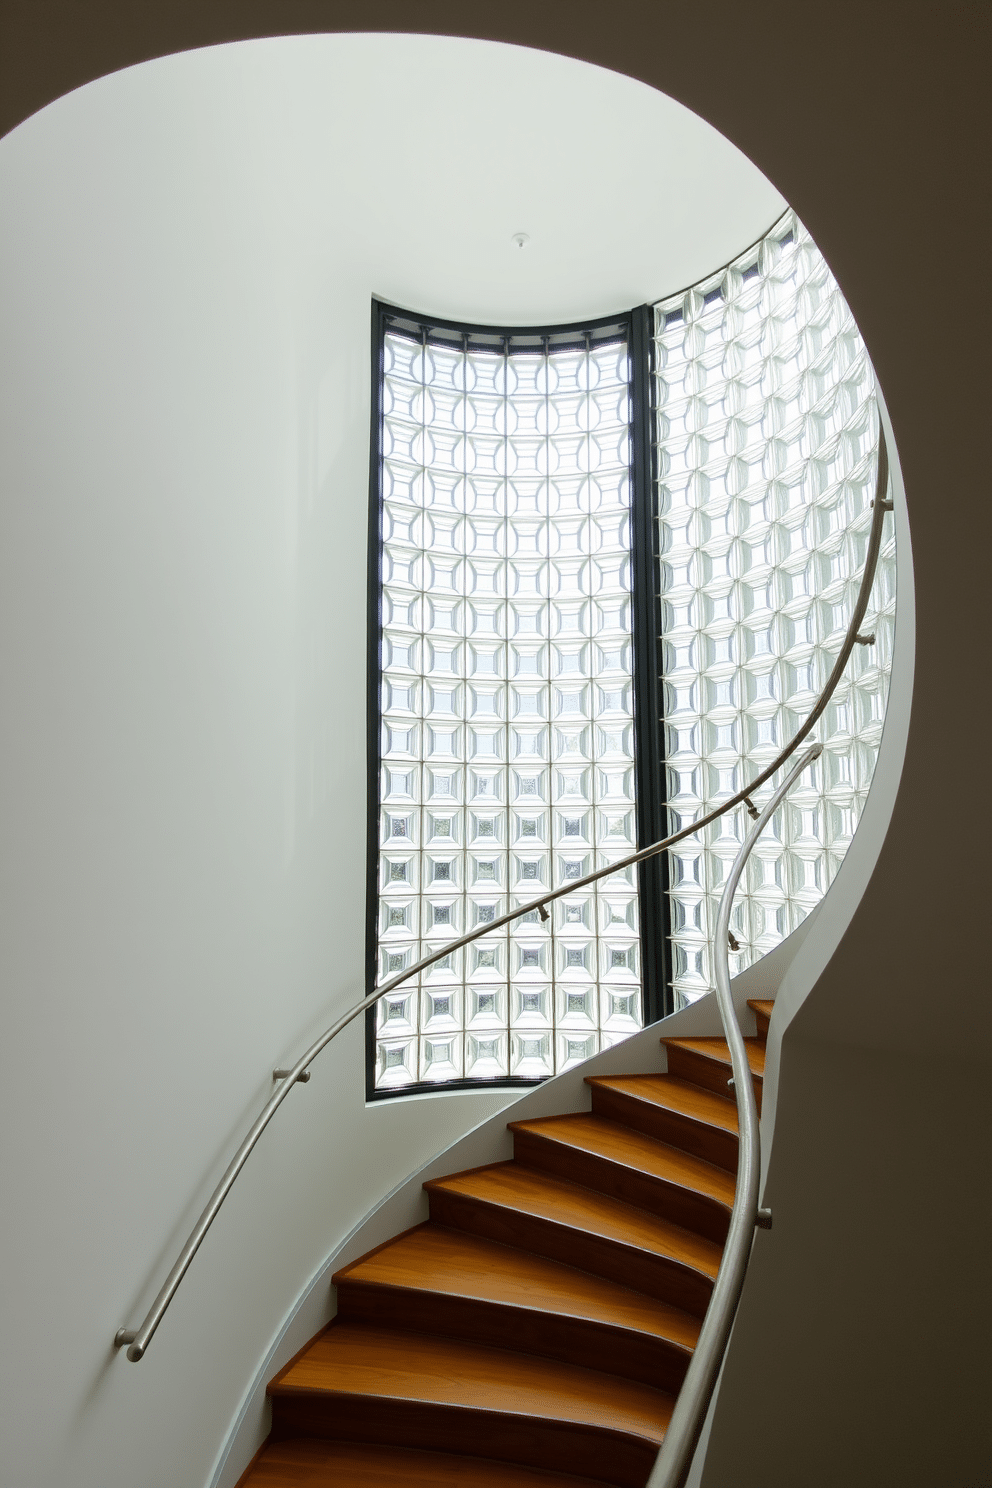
577, 1006
486, 1006
441, 1009
766, 433
532, 1054
620, 1009
532, 1005
487, 1055
396, 1063
507, 741
574, 1046
396, 1013
441, 1057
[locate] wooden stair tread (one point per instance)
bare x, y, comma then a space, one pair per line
674, 1095
313, 1463
451, 1262
762, 1006
622, 1144
350, 1359
511, 1185
718, 1050
462, 1348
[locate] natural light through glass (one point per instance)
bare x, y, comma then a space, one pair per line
507, 749
767, 425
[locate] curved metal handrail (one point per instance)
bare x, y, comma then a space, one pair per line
675, 1455
137, 1340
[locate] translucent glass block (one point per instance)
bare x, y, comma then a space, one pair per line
487, 1054
574, 1047
396, 1062
441, 1057
766, 437
507, 738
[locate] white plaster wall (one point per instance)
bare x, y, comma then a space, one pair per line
188, 250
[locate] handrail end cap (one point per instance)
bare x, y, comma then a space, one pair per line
125, 1337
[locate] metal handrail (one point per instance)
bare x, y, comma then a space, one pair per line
137, 1340
675, 1455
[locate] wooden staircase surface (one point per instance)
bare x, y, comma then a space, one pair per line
312, 1463
535, 1330
762, 1013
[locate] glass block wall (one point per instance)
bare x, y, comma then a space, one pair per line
767, 428
506, 710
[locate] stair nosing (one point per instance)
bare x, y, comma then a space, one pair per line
539, 1125
280, 1388
625, 1328
688, 1045
615, 1083
346, 1278
607, 1201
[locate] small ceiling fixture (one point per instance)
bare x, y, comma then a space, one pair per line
520, 240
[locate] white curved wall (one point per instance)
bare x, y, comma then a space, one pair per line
188, 253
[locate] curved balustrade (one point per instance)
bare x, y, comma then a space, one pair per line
680, 1440
687, 1418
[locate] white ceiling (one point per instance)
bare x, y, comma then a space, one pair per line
413, 160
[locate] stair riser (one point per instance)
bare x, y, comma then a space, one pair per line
613, 1457
693, 1211
616, 1350
708, 1142
700, 1069
657, 1276
762, 1023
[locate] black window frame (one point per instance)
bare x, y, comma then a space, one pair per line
650, 772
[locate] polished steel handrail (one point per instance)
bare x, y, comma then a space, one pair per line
675, 1456
137, 1340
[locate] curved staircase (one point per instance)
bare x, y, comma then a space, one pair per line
534, 1332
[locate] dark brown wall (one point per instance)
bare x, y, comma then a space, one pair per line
873, 119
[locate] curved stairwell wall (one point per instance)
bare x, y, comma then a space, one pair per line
862, 1358
188, 254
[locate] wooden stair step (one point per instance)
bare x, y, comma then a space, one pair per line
436, 1280
718, 1050
396, 1388
559, 1219
706, 1062
686, 1116
632, 1166
762, 1010
311, 1463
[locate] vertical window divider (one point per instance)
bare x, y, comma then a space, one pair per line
508, 674
419, 992
649, 726
466, 807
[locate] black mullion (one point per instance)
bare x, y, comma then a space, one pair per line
649, 724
